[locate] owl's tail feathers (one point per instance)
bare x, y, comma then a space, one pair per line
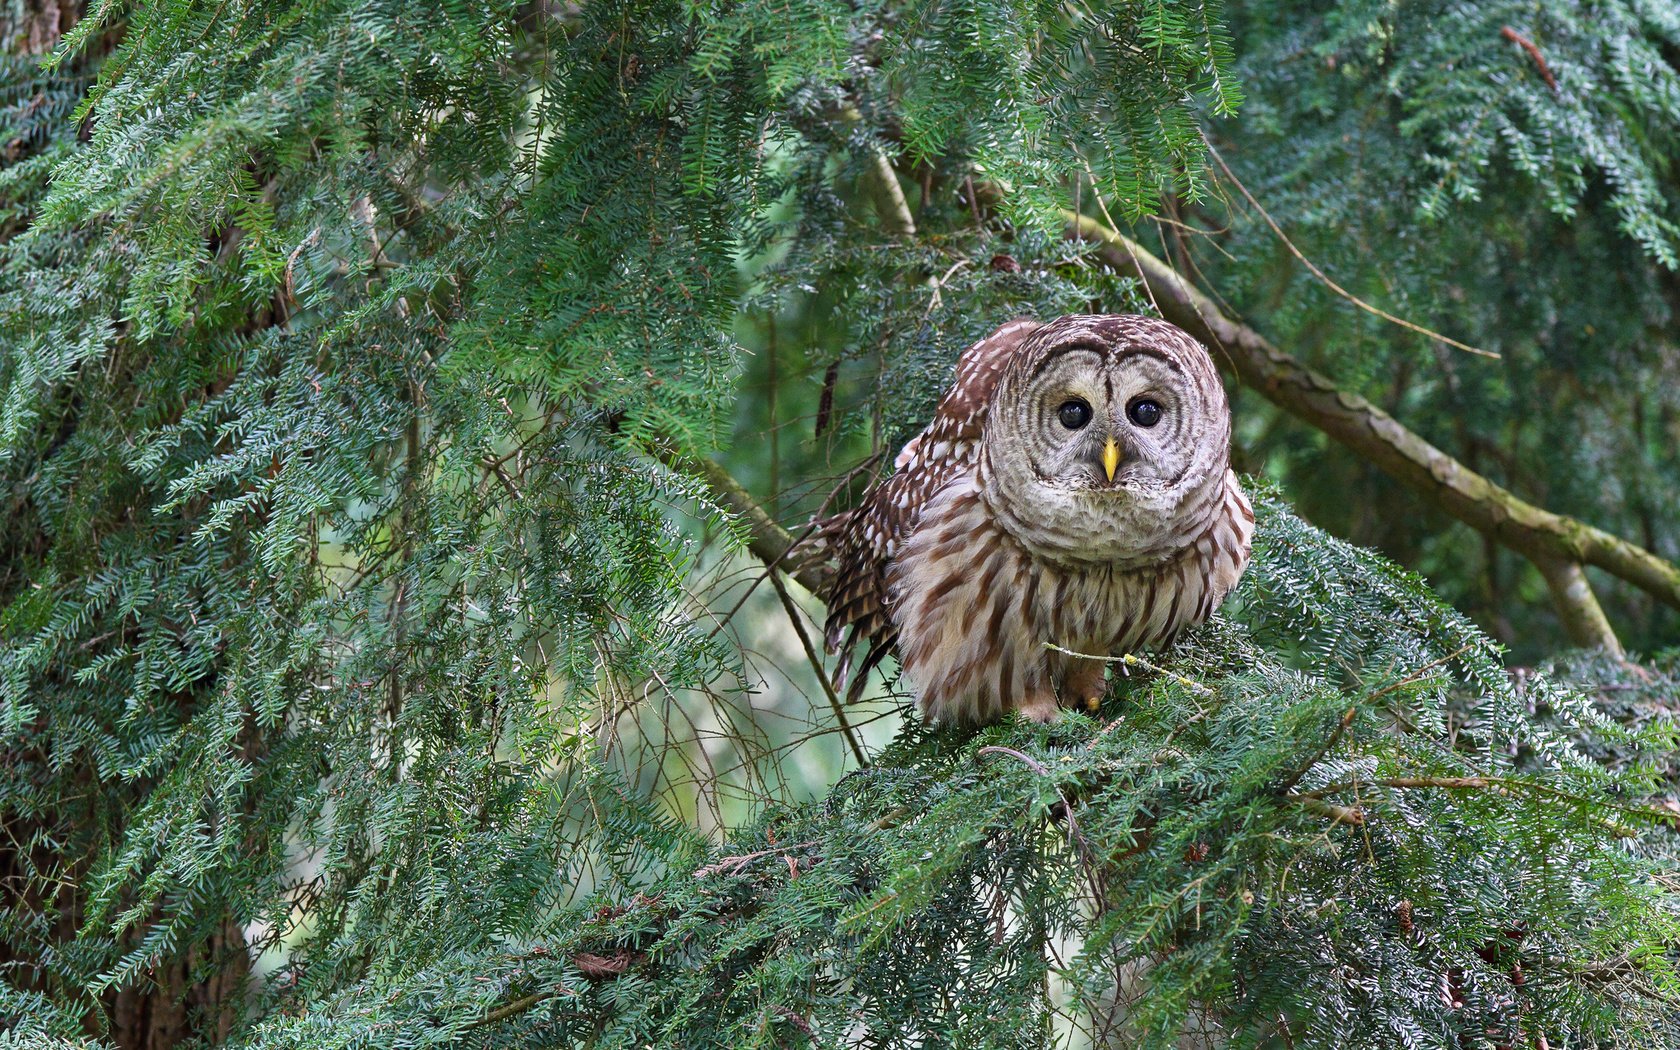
842, 669
873, 657
858, 679
855, 595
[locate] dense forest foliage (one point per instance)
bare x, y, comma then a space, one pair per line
411, 421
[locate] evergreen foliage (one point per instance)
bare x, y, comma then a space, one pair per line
375, 669
1424, 159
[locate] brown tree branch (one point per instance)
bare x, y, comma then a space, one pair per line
765, 537
1533, 52
1538, 534
517, 1007
1583, 618
1511, 787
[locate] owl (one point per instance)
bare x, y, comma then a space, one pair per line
1074, 490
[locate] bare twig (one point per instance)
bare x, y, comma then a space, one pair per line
1353, 815
1533, 52
1294, 778
1076, 837
1323, 277
733, 865
817, 667
1134, 660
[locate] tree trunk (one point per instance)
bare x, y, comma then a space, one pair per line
200, 991
37, 28
198, 994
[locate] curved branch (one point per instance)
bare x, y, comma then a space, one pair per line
883, 185
1539, 534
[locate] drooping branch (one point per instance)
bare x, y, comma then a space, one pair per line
1544, 537
765, 538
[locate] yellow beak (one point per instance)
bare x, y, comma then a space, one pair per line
1111, 458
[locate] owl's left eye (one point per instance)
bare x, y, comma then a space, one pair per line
1074, 413
1144, 412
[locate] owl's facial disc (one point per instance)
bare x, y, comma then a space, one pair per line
1104, 440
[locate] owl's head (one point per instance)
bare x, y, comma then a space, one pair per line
1107, 440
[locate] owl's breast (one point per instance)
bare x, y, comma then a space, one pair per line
961, 593
1111, 609
976, 612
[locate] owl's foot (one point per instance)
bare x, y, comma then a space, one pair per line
1085, 684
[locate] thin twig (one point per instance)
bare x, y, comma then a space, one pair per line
1076, 836
1324, 278
1346, 720
817, 667
1342, 724
1418, 673
1353, 815
733, 865
1134, 660
1533, 52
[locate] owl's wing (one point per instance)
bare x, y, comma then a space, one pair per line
865, 540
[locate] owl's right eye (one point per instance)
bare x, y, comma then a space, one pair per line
1074, 414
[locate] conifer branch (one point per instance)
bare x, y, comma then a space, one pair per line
518, 1006
765, 538
1534, 532
1509, 786
1329, 745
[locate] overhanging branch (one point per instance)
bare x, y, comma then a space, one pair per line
1544, 537
765, 538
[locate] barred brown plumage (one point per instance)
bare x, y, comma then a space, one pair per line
1072, 489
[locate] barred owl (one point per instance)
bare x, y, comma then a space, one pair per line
1073, 488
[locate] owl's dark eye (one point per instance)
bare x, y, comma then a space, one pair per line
1074, 414
1144, 411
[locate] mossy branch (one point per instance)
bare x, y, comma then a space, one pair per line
1546, 538
773, 544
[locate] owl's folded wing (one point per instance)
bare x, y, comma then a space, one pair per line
864, 540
